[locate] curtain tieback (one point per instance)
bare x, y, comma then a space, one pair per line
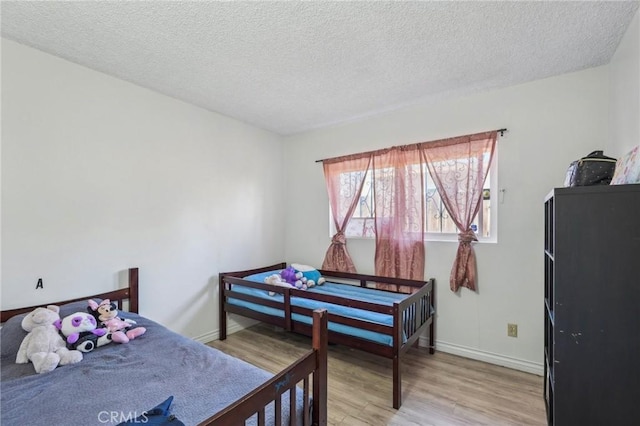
467, 236
339, 239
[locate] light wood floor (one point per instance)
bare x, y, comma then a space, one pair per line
439, 389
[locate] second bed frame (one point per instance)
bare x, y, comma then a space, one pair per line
411, 316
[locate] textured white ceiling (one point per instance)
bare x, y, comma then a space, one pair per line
293, 66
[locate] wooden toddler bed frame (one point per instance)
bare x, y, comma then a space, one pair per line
417, 309
310, 367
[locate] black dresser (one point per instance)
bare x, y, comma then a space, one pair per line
592, 305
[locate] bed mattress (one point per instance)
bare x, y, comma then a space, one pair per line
119, 381
330, 288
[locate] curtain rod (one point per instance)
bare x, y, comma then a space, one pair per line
501, 131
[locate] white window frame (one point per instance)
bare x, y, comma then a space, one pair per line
453, 237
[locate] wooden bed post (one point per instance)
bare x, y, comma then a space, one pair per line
223, 314
397, 367
133, 290
432, 326
320, 344
287, 309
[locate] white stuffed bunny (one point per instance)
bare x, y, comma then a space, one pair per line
276, 279
43, 346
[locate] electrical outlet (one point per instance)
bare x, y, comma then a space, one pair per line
512, 330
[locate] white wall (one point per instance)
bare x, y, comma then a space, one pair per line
625, 92
551, 122
99, 175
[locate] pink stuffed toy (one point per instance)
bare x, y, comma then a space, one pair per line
107, 313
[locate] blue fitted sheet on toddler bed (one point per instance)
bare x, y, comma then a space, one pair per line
341, 290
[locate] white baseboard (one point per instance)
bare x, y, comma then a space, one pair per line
215, 335
491, 358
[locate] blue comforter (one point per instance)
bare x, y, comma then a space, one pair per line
118, 382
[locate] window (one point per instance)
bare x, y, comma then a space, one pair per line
438, 224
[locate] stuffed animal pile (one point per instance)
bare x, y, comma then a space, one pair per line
297, 275
43, 346
307, 275
54, 341
279, 280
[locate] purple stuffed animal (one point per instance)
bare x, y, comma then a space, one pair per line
289, 275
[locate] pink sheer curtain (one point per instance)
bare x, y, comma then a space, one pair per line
344, 179
398, 180
459, 167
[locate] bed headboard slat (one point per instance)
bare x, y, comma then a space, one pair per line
129, 293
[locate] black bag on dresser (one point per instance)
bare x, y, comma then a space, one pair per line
594, 169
